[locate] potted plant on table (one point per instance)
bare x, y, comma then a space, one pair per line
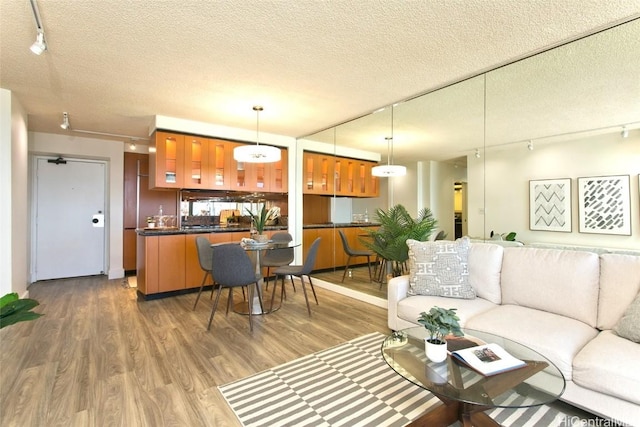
439, 322
260, 221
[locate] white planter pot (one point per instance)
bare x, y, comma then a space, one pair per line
435, 352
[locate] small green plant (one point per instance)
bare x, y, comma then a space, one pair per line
440, 322
14, 310
260, 219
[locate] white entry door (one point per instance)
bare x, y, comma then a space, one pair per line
69, 224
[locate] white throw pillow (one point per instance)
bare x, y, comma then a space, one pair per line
440, 268
629, 324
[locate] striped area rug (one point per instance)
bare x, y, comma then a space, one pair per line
348, 385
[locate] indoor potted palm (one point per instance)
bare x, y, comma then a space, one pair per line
439, 322
389, 241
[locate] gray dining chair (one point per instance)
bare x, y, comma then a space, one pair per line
277, 257
205, 259
352, 253
232, 268
299, 271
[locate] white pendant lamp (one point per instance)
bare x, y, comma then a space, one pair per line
256, 153
389, 170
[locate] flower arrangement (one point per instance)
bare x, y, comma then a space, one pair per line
260, 219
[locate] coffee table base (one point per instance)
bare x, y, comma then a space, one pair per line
451, 411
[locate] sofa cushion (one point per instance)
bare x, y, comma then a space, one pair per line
485, 262
410, 308
440, 268
558, 338
609, 364
629, 325
557, 281
619, 285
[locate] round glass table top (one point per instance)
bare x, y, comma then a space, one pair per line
538, 382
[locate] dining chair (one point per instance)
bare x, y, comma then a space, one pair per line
205, 259
232, 268
277, 257
354, 253
299, 271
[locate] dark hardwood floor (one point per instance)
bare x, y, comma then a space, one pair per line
101, 357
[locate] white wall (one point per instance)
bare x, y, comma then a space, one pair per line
98, 149
14, 254
509, 169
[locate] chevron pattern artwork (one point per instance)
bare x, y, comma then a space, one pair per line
550, 205
604, 203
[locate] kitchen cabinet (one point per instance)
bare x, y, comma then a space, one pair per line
318, 173
192, 162
259, 177
220, 164
198, 159
161, 263
166, 160
327, 175
331, 253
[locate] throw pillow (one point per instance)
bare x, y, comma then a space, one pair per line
440, 268
629, 324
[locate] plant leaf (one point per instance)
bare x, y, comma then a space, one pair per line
8, 298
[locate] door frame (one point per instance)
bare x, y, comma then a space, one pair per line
33, 209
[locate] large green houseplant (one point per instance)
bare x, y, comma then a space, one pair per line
14, 310
389, 241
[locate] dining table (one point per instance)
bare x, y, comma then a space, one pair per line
254, 250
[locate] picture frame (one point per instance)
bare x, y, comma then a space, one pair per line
604, 204
550, 205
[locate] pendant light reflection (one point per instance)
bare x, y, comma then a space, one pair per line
257, 153
389, 170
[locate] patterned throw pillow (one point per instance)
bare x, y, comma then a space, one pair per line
629, 325
440, 268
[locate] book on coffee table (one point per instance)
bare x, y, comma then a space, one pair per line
488, 359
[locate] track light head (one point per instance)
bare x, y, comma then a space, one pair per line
625, 132
39, 46
477, 153
65, 121
132, 145
530, 145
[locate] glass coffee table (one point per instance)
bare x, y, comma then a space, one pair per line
466, 394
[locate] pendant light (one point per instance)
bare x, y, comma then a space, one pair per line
257, 153
389, 169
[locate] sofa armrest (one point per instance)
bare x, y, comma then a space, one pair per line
397, 288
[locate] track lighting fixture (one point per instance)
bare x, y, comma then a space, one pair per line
257, 153
477, 153
40, 45
132, 145
65, 121
530, 145
625, 132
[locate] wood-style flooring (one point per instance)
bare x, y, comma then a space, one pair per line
101, 357
359, 281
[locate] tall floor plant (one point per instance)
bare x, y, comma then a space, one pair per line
396, 226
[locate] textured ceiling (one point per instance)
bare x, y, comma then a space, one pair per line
114, 64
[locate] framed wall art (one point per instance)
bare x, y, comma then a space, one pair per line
604, 205
550, 205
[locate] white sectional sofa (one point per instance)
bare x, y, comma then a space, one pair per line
564, 304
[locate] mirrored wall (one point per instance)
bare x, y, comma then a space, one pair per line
545, 123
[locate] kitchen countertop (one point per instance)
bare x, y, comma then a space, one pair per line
233, 228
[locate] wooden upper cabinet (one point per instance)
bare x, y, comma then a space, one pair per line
318, 173
192, 162
166, 161
279, 176
197, 163
220, 157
